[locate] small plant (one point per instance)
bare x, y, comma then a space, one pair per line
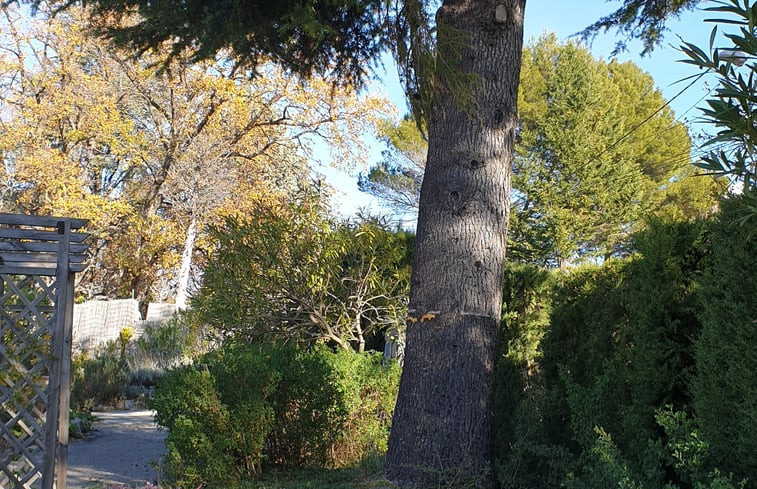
80, 423
124, 337
166, 345
98, 380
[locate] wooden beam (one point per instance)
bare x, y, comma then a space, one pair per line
37, 258
41, 221
33, 262
38, 269
32, 234
22, 257
14, 270
61, 453
23, 308
64, 299
42, 246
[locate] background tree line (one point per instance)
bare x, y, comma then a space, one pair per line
580, 188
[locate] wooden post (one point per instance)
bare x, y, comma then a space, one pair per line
54, 412
63, 320
61, 454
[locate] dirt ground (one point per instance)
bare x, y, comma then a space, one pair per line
124, 448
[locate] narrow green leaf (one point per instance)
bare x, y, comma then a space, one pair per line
726, 21
712, 37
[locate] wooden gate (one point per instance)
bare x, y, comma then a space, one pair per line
38, 259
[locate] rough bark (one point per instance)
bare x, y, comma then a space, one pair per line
443, 424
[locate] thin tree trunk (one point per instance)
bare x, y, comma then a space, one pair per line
443, 425
186, 266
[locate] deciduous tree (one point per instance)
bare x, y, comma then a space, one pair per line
283, 269
88, 130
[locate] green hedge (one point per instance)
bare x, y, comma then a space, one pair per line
725, 388
248, 407
643, 373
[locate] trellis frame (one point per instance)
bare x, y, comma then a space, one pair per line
39, 257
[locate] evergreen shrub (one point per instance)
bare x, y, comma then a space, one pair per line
725, 387
525, 318
254, 406
598, 397
100, 379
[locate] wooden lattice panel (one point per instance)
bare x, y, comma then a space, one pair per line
37, 263
26, 329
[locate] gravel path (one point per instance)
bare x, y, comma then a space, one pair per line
122, 449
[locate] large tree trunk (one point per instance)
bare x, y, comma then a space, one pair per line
443, 422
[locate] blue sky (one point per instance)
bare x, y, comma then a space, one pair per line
565, 18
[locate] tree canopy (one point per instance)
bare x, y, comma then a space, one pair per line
641, 19
323, 36
595, 156
341, 37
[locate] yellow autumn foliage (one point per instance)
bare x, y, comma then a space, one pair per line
142, 148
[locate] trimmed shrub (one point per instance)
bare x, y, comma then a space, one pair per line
270, 405
525, 319
200, 431
661, 294
370, 392
552, 386
616, 349
725, 388
579, 367
308, 406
